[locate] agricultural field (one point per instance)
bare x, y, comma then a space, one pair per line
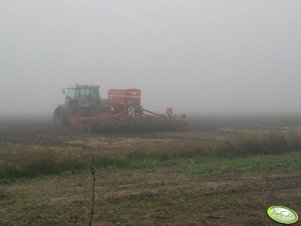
215, 172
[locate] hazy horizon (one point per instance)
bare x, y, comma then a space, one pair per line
201, 57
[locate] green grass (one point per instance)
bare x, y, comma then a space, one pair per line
195, 165
245, 154
4, 193
39, 167
258, 163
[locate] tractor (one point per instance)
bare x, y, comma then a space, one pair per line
85, 109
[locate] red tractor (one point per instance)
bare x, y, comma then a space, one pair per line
85, 109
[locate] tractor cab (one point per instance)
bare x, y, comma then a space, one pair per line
84, 92
84, 99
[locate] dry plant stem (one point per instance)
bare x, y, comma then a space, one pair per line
93, 190
75, 220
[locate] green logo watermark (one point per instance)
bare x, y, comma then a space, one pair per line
282, 214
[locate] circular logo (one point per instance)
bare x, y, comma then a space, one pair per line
282, 214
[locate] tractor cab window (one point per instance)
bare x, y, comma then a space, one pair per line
70, 94
80, 92
77, 93
83, 92
94, 92
89, 92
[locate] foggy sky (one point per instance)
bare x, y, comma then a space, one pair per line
197, 56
